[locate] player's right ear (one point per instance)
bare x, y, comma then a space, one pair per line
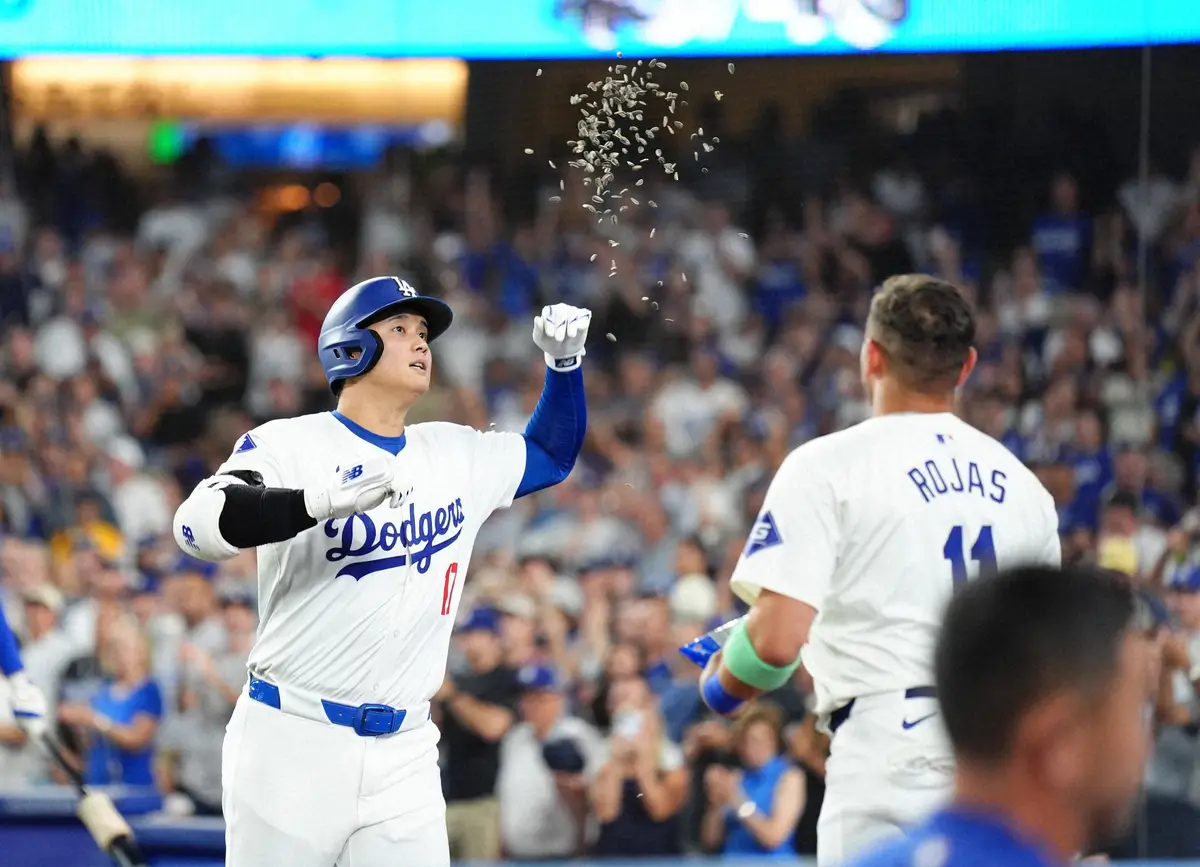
968, 366
874, 360
1053, 734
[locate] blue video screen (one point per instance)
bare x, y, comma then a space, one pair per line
307, 146
508, 29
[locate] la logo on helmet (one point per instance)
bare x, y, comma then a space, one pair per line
404, 288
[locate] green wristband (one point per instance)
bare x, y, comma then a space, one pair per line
742, 662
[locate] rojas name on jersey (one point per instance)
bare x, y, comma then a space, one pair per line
419, 535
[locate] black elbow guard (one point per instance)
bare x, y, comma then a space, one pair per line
254, 515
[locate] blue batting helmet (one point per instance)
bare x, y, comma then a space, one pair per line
348, 348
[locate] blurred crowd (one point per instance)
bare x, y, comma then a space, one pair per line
148, 323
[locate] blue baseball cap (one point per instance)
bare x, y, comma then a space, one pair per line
537, 677
1185, 580
481, 620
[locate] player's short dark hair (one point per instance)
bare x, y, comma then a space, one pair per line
1011, 641
926, 327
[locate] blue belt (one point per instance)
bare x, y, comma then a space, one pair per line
367, 720
842, 714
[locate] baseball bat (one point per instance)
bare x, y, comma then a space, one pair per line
99, 815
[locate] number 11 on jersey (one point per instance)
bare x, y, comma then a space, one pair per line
982, 552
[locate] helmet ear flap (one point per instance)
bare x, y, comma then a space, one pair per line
372, 350
376, 354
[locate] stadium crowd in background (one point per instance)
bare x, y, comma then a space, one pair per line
147, 325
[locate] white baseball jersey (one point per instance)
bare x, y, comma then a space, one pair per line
874, 526
360, 610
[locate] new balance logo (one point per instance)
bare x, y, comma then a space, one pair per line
352, 473
764, 535
189, 538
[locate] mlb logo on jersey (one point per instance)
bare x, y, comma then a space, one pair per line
404, 288
246, 444
764, 535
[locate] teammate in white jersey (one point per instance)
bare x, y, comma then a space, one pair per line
364, 527
28, 705
863, 536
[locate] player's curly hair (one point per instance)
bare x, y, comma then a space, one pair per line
926, 327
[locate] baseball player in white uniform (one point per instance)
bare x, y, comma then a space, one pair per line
364, 527
862, 538
26, 700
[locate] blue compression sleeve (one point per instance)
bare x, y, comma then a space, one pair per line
10, 656
555, 432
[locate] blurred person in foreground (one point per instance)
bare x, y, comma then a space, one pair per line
1045, 679
863, 536
640, 790
477, 709
754, 809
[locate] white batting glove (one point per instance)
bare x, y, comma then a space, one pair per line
560, 333
28, 705
357, 489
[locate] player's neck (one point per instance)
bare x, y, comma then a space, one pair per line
889, 398
369, 411
1027, 810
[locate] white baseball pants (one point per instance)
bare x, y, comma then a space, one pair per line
305, 793
890, 766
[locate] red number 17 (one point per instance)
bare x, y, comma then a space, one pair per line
448, 588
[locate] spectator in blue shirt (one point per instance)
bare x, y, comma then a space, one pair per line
1045, 678
1093, 464
754, 809
1131, 475
1062, 238
121, 720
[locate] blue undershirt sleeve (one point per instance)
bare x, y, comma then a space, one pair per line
10, 656
554, 435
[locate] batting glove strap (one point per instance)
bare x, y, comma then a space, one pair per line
565, 365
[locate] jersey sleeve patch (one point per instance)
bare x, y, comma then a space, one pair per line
246, 444
765, 534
